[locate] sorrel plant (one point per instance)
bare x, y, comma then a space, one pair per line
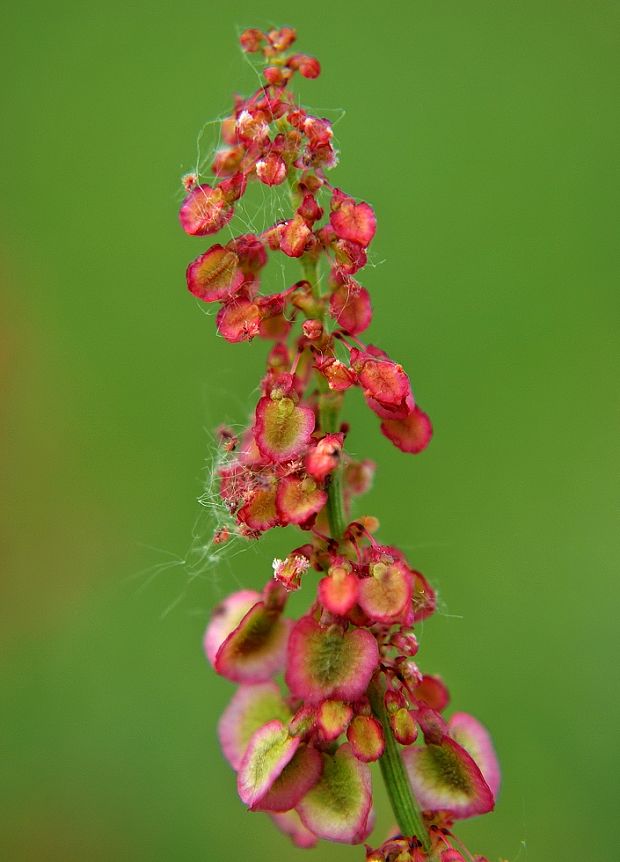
353, 691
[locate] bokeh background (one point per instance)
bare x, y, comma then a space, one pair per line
484, 135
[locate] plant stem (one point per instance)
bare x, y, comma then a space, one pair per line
405, 808
329, 408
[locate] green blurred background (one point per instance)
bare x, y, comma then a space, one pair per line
483, 134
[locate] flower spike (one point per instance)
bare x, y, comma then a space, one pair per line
353, 692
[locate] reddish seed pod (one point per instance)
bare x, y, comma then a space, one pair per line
282, 39
309, 209
276, 76
324, 457
312, 329
365, 735
394, 700
309, 67
227, 161
338, 592
251, 40
403, 726
271, 169
295, 236
205, 211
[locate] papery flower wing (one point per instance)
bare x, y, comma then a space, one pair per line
386, 594
337, 808
298, 498
412, 434
290, 824
270, 748
204, 211
214, 275
445, 777
225, 618
283, 428
256, 649
296, 779
251, 707
327, 663
476, 740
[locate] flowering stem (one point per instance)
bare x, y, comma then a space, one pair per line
329, 408
405, 808
335, 501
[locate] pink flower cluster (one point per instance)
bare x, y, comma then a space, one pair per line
352, 685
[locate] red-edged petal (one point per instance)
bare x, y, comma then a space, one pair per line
354, 222
476, 740
225, 618
365, 735
251, 707
270, 749
256, 649
204, 211
298, 498
214, 275
386, 594
338, 807
238, 320
290, 823
296, 779
350, 306
445, 778
412, 434
283, 428
327, 663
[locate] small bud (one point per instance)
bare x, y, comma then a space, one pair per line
403, 726
271, 169
333, 717
366, 737
324, 458
282, 39
312, 329
251, 40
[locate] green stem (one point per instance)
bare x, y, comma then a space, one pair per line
335, 499
329, 408
405, 808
